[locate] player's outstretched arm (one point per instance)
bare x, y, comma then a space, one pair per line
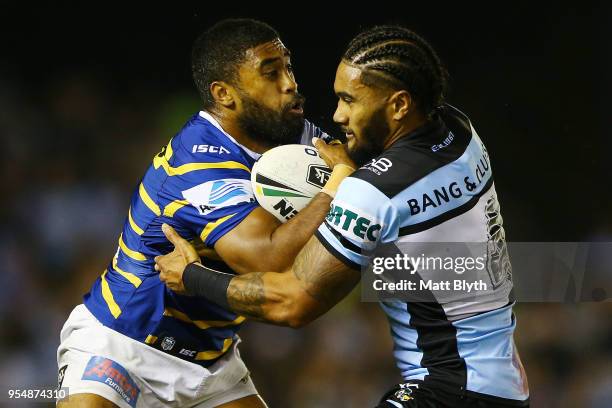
261, 243
314, 284
311, 286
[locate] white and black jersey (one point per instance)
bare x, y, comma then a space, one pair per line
435, 185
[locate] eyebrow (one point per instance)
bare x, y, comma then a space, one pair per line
269, 61
344, 95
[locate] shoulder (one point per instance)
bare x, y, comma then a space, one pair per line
434, 145
200, 141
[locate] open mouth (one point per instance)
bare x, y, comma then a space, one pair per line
297, 108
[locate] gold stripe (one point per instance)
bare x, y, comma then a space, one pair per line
150, 339
132, 254
163, 162
212, 225
108, 297
210, 355
173, 207
147, 200
134, 280
202, 324
134, 226
186, 168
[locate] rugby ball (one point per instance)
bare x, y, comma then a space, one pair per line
285, 179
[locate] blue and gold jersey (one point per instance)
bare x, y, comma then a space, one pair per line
199, 184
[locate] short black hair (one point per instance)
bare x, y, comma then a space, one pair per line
396, 57
217, 53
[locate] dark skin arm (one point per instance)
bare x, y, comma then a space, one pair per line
312, 285
261, 243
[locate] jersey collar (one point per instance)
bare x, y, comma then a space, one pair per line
207, 116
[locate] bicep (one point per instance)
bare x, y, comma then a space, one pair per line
244, 247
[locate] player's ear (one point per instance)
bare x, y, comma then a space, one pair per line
221, 93
401, 103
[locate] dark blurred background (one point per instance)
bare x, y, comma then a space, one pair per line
88, 94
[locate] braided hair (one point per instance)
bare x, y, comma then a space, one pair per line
395, 57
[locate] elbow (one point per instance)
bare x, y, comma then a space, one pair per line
299, 320
300, 311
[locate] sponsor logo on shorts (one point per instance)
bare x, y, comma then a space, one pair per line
115, 376
405, 392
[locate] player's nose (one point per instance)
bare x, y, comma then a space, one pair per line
289, 85
340, 116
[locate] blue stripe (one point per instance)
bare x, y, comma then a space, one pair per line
485, 343
407, 354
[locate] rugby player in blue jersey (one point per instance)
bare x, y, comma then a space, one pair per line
425, 177
135, 343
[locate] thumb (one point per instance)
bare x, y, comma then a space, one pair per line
172, 235
317, 142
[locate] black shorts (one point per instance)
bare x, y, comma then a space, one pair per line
416, 394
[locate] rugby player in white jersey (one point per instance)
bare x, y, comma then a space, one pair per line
425, 177
135, 343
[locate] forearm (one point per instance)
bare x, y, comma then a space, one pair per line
272, 297
288, 239
315, 282
268, 296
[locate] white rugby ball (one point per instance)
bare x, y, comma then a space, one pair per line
285, 179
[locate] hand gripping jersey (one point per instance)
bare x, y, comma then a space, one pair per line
200, 184
434, 185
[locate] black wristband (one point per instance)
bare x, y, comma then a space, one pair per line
207, 283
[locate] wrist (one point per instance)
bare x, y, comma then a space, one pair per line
338, 174
212, 285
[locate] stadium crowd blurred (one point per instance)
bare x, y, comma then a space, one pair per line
74, 149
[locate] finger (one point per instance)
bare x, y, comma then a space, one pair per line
172, 235
316, 142
157, 268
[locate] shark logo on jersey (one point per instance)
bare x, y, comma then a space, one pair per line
212, 195
498, 260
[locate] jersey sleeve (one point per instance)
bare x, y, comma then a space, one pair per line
360, 218
310, 131
213, 193
215, 207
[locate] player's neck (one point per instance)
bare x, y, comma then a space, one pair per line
409, 125
230, 126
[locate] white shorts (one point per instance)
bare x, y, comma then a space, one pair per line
95, 359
